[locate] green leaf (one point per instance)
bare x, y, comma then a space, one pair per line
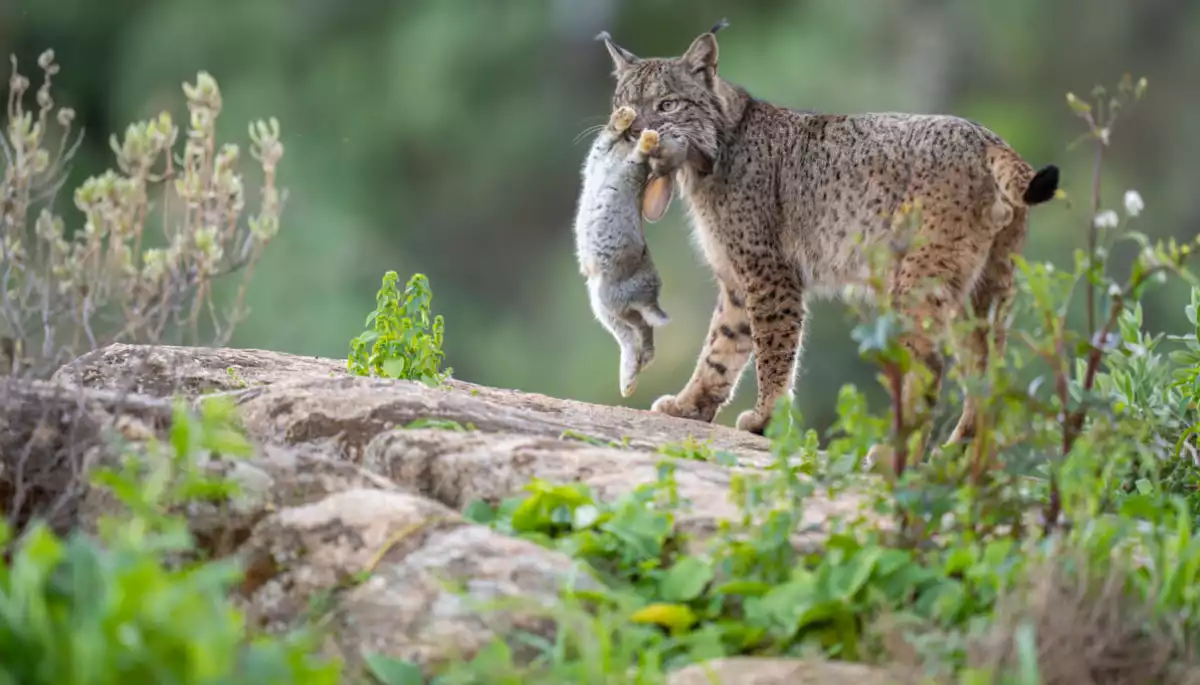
585, 516
1027, 653
891, 560
1141, 506
676, 617
393, 367
685, 580
479, 511
530, 515
1078, 106
959, 560
845, 580
389, 671
744, 588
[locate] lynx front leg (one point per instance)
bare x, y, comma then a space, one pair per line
775, 301
722, 360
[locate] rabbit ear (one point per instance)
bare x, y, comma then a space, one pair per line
657, 198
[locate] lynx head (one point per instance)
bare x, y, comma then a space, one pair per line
678, 96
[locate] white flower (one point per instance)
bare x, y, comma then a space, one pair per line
1106, 219
1133, 203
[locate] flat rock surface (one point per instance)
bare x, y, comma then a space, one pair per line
315, 383
767, 671
349, 412
166, 370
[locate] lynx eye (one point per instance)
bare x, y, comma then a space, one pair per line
668, 105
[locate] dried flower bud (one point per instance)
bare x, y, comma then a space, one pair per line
41, 161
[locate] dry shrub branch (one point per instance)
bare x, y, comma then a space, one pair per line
159, 231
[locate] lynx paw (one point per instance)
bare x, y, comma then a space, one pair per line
622, 118
753, 421
648, 142
667, 404
671, 406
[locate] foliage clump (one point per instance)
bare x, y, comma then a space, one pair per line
160, 231
138, 603
403, 339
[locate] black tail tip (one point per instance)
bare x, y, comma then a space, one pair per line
1042, 186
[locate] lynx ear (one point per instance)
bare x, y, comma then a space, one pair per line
701, 55
656, 199
622, 58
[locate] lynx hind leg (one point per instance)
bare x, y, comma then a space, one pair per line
992, 296
932, 281
622, 118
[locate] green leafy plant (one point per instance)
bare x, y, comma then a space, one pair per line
440, 424
571, 434
402, 340
690, 448
136, 603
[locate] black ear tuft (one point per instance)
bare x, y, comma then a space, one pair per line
723, 23
622, 58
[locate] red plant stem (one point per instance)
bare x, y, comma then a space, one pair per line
1092, 231
900, 459
1054, 508
1073, 420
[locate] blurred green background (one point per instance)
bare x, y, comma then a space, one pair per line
440, 137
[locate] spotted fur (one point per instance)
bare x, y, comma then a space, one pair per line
780, 199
